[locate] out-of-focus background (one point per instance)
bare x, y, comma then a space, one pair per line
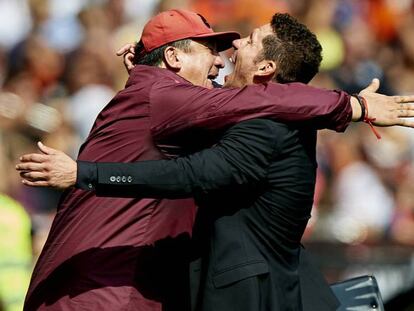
58, 69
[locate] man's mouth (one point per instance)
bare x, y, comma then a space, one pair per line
233, 58
210, 79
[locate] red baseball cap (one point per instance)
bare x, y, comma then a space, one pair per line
174, 25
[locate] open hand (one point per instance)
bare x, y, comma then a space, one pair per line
50, 168
388, 110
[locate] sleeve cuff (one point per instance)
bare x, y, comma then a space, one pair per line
87, 175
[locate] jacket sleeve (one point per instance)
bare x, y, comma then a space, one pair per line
241, 157
179, 107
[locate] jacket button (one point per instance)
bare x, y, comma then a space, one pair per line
124, 178
118, 178
112, 178
129, 179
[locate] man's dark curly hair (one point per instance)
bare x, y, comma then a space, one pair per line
294, 48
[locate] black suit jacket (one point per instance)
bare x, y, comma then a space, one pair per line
255, 192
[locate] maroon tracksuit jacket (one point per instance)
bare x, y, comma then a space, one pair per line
132, 254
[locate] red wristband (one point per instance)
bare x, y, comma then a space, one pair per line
367, 119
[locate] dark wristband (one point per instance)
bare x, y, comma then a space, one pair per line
361, 103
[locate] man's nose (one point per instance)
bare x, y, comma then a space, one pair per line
236, 43
219, 61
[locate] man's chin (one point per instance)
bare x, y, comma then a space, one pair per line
231, 83
228, 81
209, 84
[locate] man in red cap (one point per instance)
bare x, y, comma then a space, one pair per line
132, 254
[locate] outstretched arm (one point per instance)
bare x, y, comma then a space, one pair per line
324, 109
185, 107
241, 157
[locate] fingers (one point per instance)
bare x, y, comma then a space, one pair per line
39, 157
406, 123
405, 106
404, 99
128, 61
45, 149
405, 113
38, 183
373, 87
30, 166
127, 47
34, 157
33, 176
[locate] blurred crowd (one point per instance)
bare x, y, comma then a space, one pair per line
58, 69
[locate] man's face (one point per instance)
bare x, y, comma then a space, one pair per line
246, 51
202, 64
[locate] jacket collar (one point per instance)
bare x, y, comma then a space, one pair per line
147, 74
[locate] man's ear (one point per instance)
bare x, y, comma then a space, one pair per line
172, 58
266, 69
